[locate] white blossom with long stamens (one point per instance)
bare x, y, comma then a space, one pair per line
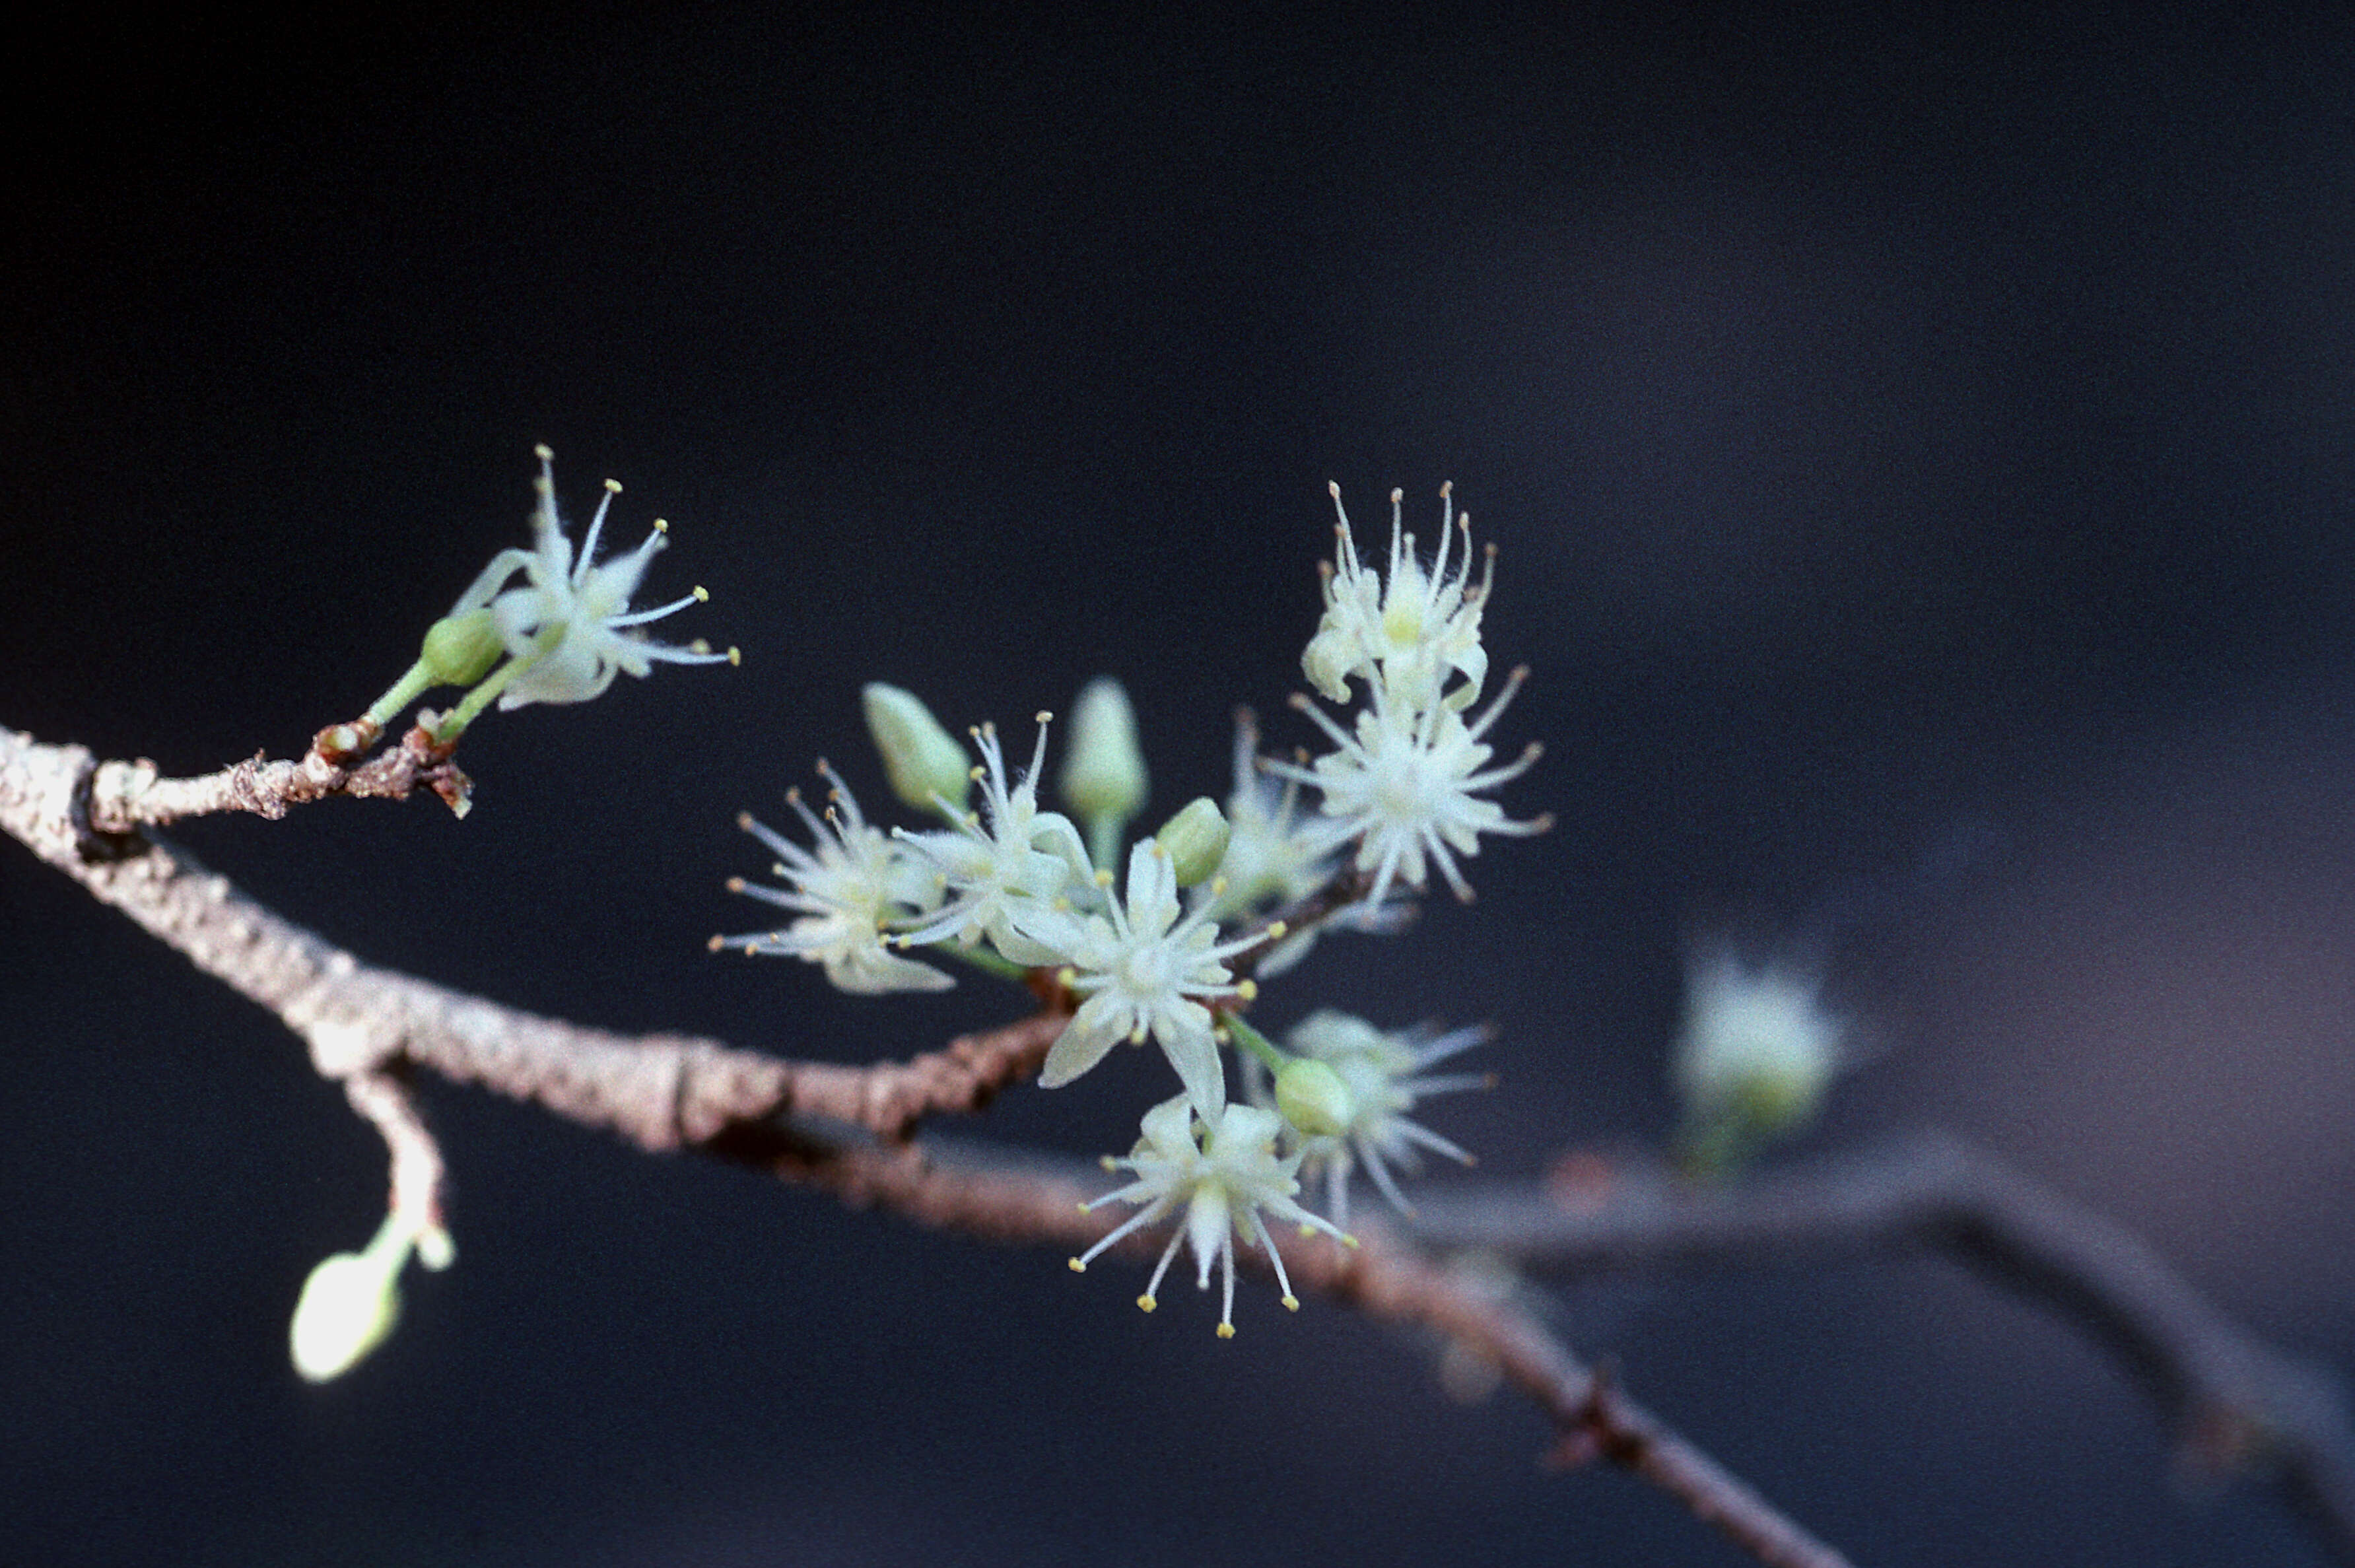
1406, 786
1386, 1074
1009, 856
583, 607
1408, 632
852, 883
1143, 970
1224, 1173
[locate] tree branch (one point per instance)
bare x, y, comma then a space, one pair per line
2233, 1398
842, 1129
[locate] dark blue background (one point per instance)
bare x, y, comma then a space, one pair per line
1921, 447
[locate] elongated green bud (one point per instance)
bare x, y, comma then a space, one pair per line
1314, 1098
922, 760
349, 1305
1104, 772
461, 649
1197, 840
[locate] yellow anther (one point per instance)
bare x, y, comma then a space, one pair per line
1226, 1330
1292, 1304
1145, 1304
702, 595
543, 454
1079, 1267
612, 486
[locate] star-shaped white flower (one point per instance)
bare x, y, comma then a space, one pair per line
1224, 1173
849, 886
1143, 969
572, 622
1406, 785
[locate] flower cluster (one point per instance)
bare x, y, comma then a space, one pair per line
1172, 948
1406, 783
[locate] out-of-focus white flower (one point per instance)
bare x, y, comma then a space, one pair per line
1224, 1173
1410, 632
1385, 1074
569, 625
1143, 969
848, 887
1271, 856
1022, 859
1406, 785
1758, 1048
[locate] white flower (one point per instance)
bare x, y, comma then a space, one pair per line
854, 883
1224, 1173
1024, 859
1384, 1074
1408, 633
572, 621
1269, 859
1273, 860
1143, 970
1757, 1044
1407, 784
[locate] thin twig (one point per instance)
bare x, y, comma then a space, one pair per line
124, 796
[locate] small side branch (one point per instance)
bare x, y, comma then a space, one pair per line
125, 796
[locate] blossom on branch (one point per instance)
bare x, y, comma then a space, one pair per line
1383, 1076
1406, 785
848, 887
570, 627
1407, 632
1143, 969
1223, 1173
1023, 859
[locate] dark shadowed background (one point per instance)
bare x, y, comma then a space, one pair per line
1920, 448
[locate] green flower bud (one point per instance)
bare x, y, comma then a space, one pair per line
1104, 772
461, 649
922, 760
1314, 1098
347, 1307
1197, 840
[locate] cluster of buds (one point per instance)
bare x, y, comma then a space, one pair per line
1165, 938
